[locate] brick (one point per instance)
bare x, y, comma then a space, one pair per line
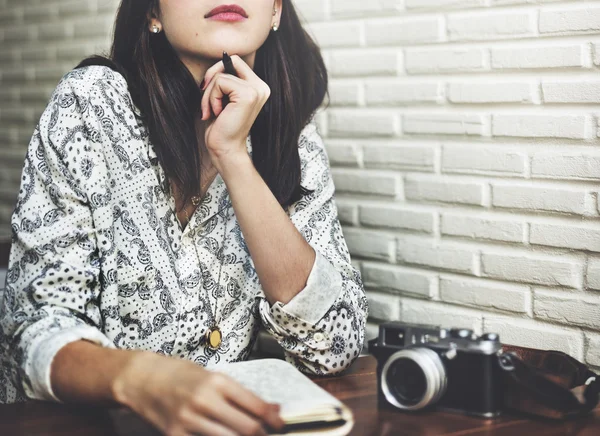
537, 269
571, 92
397, 217
535, 334
444, 190
54, 31
40, 13
450, 124
540, 126
543, 198
474, 27
82, 8
409, 156
593, 273
570, 20
485, 294
18, 34
500, 92
352, 8
479, 159
439, 314
362, 123
337, 34
17, 115
100, 26
592, 356
539, 57
571, 235
36, 53
347, 212
370, 245
72, 52
371, 332
399, 279
343, 154
486, 227
414, 31
431, 61
426, 252
311, 10
345, 93
565, 164
344, 63
434, 4
400, 92
36, 94
360, 182
567, 308
17, 75
596, 50
383, 307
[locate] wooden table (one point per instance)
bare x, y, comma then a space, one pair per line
357, 388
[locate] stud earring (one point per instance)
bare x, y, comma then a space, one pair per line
275, 27
274, 11
155, 29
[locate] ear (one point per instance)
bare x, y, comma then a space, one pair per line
153, 17
278, 5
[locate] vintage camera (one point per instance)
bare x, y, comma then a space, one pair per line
420, 366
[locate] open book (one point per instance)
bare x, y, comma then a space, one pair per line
306, 408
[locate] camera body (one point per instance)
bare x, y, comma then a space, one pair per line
420, 366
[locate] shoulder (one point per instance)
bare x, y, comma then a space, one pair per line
310, 143
95, 83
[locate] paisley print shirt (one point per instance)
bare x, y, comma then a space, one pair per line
98, 253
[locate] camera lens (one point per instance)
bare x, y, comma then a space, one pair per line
406, 381
413, 378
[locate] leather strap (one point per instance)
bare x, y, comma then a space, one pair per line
547, 383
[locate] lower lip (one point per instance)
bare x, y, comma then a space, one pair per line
227, 16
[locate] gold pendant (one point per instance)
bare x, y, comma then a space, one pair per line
213, 338
196, 200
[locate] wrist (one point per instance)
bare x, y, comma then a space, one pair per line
132, 377
231, 163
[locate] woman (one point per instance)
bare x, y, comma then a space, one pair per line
170, 209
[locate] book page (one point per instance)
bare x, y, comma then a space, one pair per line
277, 381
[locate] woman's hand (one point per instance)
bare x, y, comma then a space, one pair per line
229, 126
182, 398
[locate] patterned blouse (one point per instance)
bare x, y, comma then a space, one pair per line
99, 254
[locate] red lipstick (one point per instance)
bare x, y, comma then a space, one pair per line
227, 13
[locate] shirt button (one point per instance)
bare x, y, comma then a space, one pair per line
319, 337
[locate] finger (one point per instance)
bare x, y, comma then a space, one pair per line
253, 404
197, 424
242, 69
223, 85
235, 419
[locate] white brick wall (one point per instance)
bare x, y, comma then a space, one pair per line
464, 136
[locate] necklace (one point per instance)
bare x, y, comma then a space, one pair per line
213, 336
197, 199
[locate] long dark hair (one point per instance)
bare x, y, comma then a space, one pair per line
168, 97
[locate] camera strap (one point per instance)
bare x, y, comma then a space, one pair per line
547, 383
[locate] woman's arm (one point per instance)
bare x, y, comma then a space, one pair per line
176, 396
320, 320
83, 372
282, 257
319, 309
